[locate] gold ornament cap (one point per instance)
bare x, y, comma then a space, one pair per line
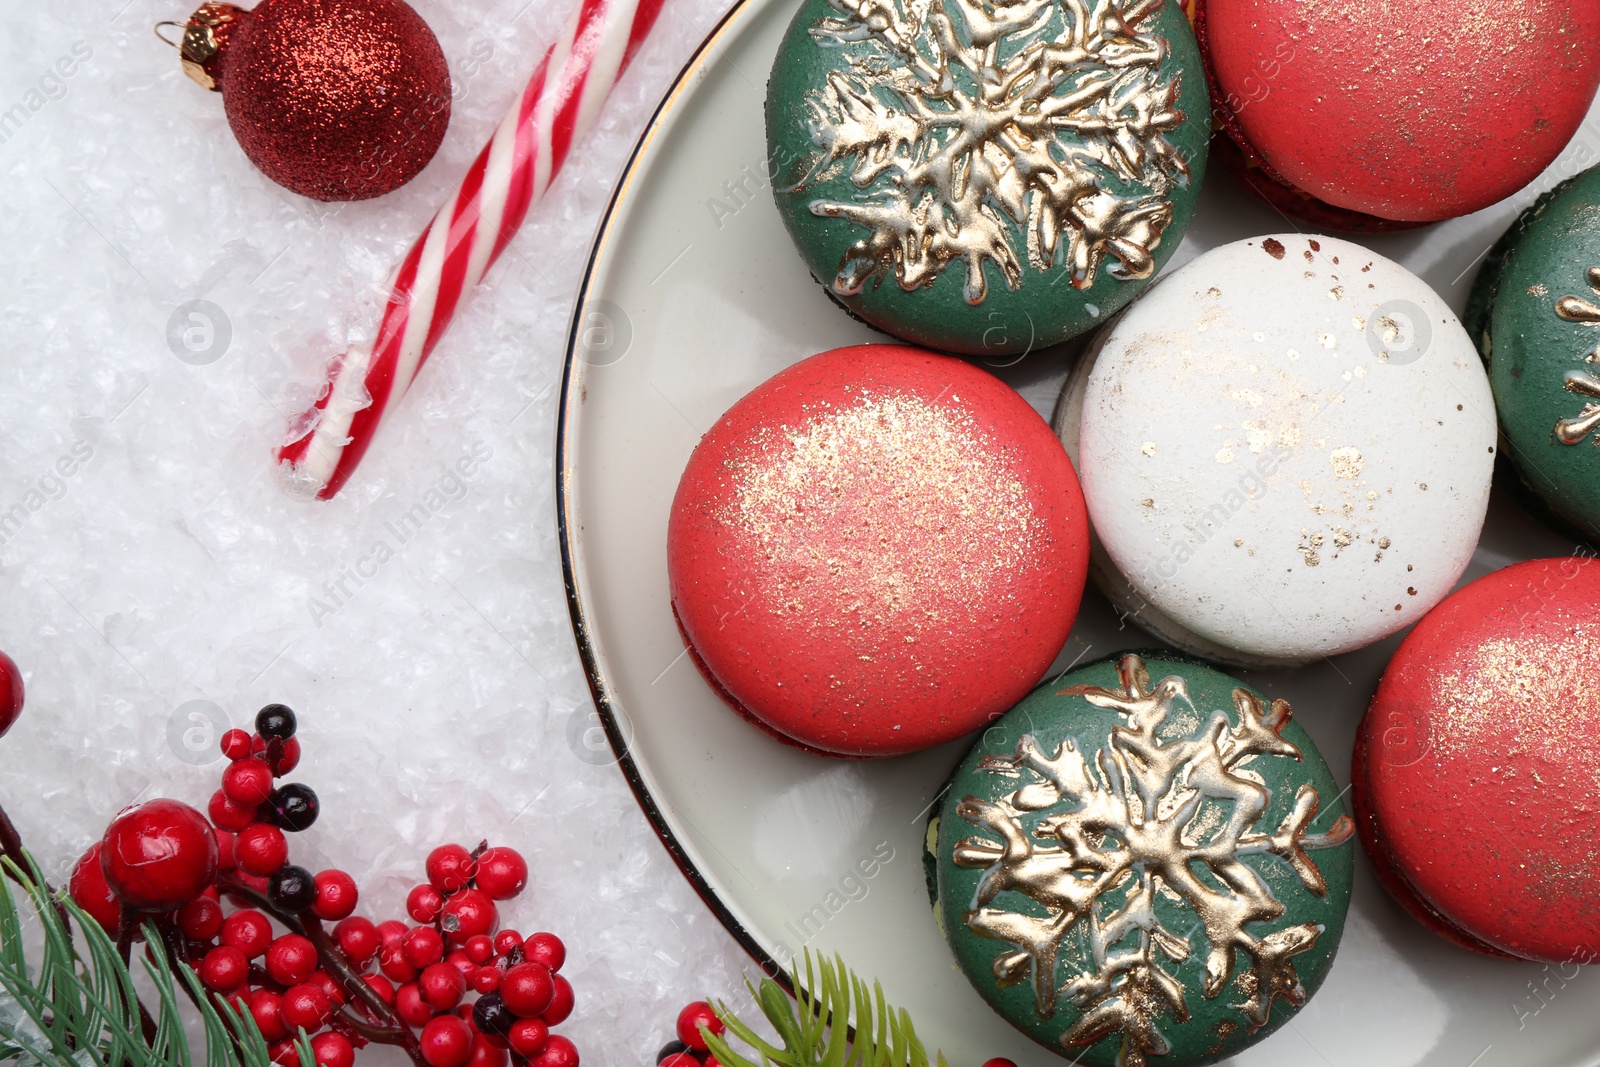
205, 38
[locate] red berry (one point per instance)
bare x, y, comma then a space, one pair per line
330, 988
998, 1061
424, 903
690, 1021
200, 919
560, 1002
381, 986
358, 939
392, 962
479, 949
224, 969
485, 1053
468, 914
409, 1005
284, 1053
236, 744
446, 1042
305, 1007
506, 940
288, 758
226, 815
442, 986
558, 1052
225, 860
266, 1006
260, 850
527, 989
502, 873
333, 1050
528, 1036
248, 931
450, 867
546, 949
462, 962
91, 892
712, 1061
336, 895
10, 693
485, 980
679, 1059
291, 960
247, 782
392, 930
159, 855
423, 946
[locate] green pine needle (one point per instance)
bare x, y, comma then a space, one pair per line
78, 1006
830, 1001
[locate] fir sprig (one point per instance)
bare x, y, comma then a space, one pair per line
78, 1006
833, 1020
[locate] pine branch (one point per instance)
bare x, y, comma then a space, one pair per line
816, 1025
77, 1007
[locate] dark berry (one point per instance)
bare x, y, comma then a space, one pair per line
502, 873
159, 855
292, 807
336, 895
91, 892
693, 1019
292, 888
671, 1048
491, 1015
450, 867
275, 722
10, 693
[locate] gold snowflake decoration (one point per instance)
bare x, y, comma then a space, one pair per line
965, 120
1142, 819
1577, 309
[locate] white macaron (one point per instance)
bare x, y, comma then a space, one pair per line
1286, 447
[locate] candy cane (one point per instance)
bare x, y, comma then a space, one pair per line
559, 105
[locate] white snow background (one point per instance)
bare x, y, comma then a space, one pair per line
437, 700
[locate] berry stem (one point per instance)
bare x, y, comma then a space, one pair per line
127, 928
391, 1030
172, 938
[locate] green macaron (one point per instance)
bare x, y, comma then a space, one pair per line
1144, 858
1535, 314
987, 180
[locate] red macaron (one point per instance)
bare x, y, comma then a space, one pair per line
1476, 794
1371, 115
878, 550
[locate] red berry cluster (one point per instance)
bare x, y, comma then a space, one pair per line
452, 988
689, 1050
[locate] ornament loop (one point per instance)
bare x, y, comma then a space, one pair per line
163, 38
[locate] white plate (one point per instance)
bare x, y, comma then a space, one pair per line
693, 297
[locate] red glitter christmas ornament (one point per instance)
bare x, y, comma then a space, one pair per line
332, 99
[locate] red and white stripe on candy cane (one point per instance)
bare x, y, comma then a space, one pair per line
559, 105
